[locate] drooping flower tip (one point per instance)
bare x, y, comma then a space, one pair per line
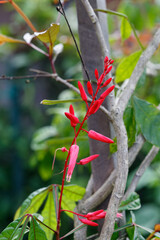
64, 149
82, 91
88, 159
74, 150
97, 136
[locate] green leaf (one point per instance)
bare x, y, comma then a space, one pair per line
11, 230
53, 102
131, 203
113, 146
23, 229
44, 133
71, 194
126, 66
125, 29
148, 118
49, 215
130, 123
49, 35
36, 232
32, 203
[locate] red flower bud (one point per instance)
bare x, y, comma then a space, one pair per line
91, 214
106, 59
97, 136
82, 92
88, 159
88, 222
107, 82
72, 118
64, 149
90, 89
100, 80
71, 109
108, 70
107, 92
96, 74
111, 61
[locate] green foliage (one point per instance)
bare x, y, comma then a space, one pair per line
148, 118
126, 66
53, 102
131, 203
44, 201
36, 232
125, 29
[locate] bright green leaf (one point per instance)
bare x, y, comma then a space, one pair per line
53, 102
148, 118
49, 215
125, 29
11, 230
126, 66
36, 232
32, 203
131, 203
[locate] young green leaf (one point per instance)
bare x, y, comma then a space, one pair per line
53, 102
36, 232
12, 230
148, 118
49, 215
126, 66
131, 203
125, 29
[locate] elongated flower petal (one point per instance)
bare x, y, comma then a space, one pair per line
71, 109
88, 222
74, 149
72, 118
107, 82
89, 88
95, 106
88, 159
97, 136
96, 73
82, 91
91, 214
107, 92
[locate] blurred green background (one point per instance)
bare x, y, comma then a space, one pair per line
30, 132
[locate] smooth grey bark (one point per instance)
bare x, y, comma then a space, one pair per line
91, 53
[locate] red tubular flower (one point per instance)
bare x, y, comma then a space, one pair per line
88, 159
74, 120
107, 92
107, 82
108, 70
74, 149
96, 74
89, 88
100, 80
82, 92
91, 214
95, 106
97, 136
88, 222
106, 59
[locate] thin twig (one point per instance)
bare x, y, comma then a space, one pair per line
79, 53
142, 168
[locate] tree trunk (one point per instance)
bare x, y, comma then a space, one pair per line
91, 53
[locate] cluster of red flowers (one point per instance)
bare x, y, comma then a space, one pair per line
92, 216
91, 109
